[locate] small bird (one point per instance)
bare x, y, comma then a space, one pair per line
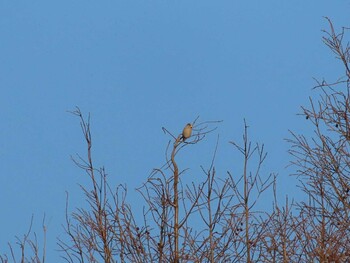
187, 131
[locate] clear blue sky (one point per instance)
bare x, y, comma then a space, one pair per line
138, 66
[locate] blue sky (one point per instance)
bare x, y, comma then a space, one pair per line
138, 66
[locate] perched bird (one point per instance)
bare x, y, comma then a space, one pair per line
186, 133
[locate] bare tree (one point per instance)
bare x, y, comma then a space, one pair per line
248, 190
28, 247
323, 165
215, 217
281, 242
209, 221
